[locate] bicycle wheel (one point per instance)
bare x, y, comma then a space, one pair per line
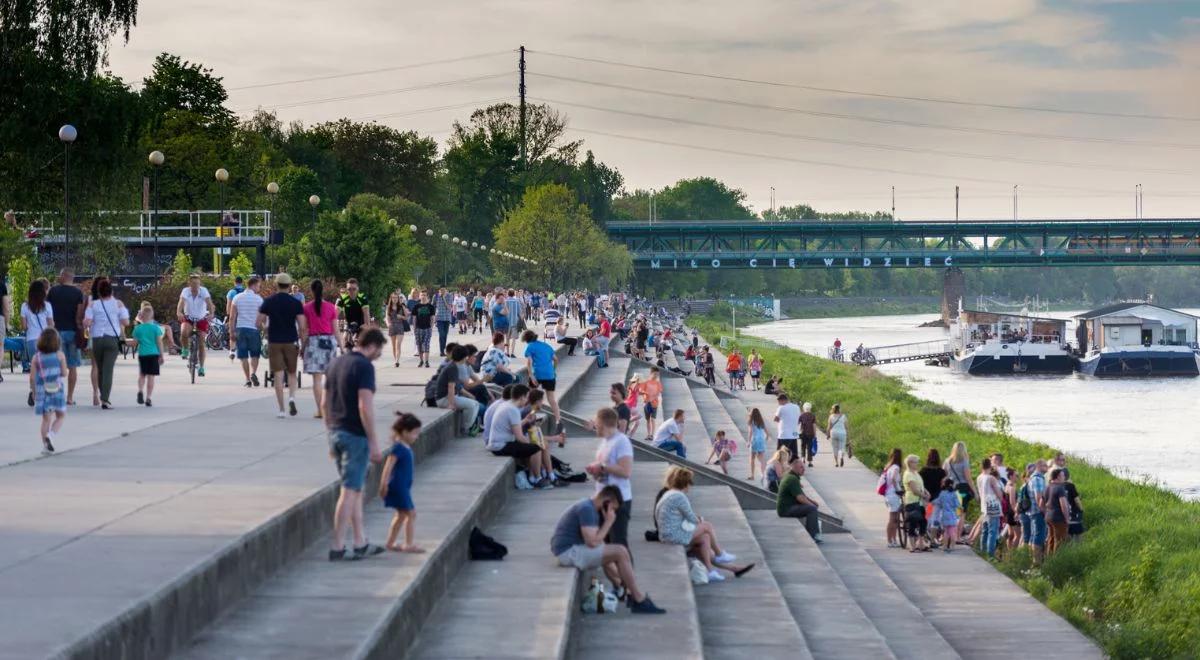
902, 533
217, 340
193, 356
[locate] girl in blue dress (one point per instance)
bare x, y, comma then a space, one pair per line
946, 508
758, 442
46, 380
395, 485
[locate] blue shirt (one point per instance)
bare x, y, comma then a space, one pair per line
543, 359
499, 320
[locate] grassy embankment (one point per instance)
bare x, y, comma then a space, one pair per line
1132, 583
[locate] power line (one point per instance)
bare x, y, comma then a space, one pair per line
364, 95
868, 145
879, 95
870, 119
820, 163
421, 111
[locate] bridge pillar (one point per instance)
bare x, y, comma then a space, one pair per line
954, 289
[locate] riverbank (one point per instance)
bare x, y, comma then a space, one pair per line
815, 308
1131, 583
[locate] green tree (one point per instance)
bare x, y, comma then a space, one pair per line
362, 243
241, 265
20, 275
702, 198
175, 84
181, 268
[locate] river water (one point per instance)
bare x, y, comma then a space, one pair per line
1140, 428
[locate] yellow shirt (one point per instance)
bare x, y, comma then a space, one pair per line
913, 486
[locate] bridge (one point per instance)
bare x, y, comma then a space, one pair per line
688, 245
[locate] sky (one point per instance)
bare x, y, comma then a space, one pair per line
1108, 91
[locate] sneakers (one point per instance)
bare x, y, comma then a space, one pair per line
367, 550
281, 415
292, 407
47, 447
715, 576
148, 404
248, 383
200, 371
337, 555
254, 379
545, 484
141, 398
725, 558
646, 606
30, 399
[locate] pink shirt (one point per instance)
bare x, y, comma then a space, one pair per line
320, 324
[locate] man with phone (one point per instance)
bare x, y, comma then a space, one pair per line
578, 542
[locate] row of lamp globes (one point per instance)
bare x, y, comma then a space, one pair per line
157, 158
475, 246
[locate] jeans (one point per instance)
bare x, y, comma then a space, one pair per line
443, 331
1038, 533
1026, 528
600, 359
469, 406
675, 446
104, 354
991, 535
807, 513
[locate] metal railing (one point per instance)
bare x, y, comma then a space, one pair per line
174, 226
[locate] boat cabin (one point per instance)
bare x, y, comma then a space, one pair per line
979, 327
1134, 324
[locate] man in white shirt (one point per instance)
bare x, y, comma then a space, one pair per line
669, 436
194, 310
460, 311
243, 330
788, 417
613, 467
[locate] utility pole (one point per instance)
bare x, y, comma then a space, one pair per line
956, 203
893, 203
772, 200
521, 92
1014, 203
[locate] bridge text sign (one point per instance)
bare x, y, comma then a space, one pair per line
941, 261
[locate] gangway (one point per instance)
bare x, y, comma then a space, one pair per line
922, 350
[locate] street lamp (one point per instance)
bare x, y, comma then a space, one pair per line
314, 201
429, 232
156, 160
67, 135
272, 191
412, 228
222, 176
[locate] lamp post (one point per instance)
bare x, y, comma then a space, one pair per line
156, 161
314, 201
222, 177
67, 135
272, 191
445, 256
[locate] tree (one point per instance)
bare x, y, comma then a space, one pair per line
241, 266
553, 228
702, 198
175, 84
73, 36
20, 275
361, 243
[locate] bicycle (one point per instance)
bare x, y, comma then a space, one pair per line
193, 359
218, 336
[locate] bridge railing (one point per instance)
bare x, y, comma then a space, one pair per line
908, 351
173, 226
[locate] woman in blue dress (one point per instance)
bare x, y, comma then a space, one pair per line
758, 442
46, 380
395, 484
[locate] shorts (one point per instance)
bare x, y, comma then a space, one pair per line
351, 454
69, 349
548, 385
249, 343
148, 365
582, 557
650, 409
283, 357
461, 316
516, 449
423, 336
201, 325
893, 502
318, 353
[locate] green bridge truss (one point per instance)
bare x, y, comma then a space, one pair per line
677, 245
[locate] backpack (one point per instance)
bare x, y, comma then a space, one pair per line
431, 393
1024, 499
482, 547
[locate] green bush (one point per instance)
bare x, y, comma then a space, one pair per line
1131, 583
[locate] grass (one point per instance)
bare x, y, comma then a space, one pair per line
1132, 583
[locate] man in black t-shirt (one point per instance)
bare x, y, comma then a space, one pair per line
423, 314
68, 304
618, 393
283, 317
353, 306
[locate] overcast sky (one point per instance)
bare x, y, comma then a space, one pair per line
1100, 56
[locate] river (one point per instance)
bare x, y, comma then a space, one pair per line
1140, 428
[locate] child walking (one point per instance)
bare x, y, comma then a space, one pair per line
148, 337
945, 513
758, 442
46, 381
395, 484
723, 448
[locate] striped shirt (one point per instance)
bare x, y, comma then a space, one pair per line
247, 304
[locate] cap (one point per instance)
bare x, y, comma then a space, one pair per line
283, 278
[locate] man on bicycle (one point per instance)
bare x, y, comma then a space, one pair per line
194, 311
353, 307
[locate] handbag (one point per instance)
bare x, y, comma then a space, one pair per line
881, 485
697, 572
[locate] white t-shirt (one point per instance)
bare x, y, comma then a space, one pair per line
789, 421
247, 304
612, 450
106, 317
666, 430
196, 306
987, 485
500, 430
460, 303
35, 323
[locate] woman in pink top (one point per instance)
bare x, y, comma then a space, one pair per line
322, 344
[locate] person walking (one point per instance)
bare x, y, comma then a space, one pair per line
839, 428
69, 305
282, 316
423, 314
106, 319
651, 390
321, 346
46, 378
787, 416
444, 310
244, 336
808, 432
757, 432
541, 365
350, 421
148, 338
756, 365
395, 484
397, 324
791, 502
36, 315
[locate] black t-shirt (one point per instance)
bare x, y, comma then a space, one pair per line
423, 315
65, 299
345, 377
281, 310
622, 411
352, 307
1072, 495
931, 476
1054, 511
446, 376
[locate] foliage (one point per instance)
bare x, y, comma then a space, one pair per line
175, 84
181, 268
1130, 582
361, 242
20, 275
241, 266
702, 198
553, 228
